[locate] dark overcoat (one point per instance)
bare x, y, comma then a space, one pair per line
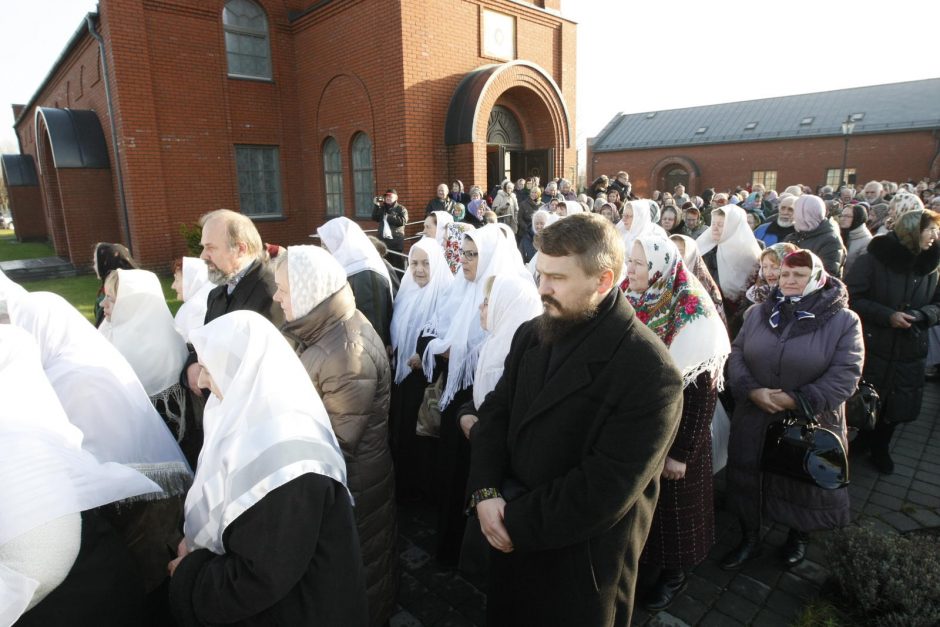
826, 242
587, 442
886, 279
821, 358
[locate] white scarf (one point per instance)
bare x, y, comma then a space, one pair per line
141, 327
313, 275
512, 301
8, 291
641, 226
352, 248
738, 252
100, 393
456, 326
269, 428
44, 473
415, 305
443, 219
196, 287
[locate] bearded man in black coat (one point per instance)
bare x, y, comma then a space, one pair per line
568, 449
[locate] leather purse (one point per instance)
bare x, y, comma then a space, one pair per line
800, 448
429, 412
861, 410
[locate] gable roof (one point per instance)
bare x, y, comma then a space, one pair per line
895, 107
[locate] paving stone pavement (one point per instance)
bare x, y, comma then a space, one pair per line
762, 593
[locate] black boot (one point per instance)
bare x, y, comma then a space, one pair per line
749, 547
671, 583
794, 550
881, 441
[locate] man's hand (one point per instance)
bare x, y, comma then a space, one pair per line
181, 551
192, 378
673, 470
491, 513
764, 399
466, 423
414, 362
901, 320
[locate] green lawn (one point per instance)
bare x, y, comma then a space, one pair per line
11, 249
81, 291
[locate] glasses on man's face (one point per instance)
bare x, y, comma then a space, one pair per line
470, 254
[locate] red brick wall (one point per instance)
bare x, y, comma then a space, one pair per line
28, 216
384, 68
894, 156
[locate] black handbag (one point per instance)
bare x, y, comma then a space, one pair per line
800, 448
861, 410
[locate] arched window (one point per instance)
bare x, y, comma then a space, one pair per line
333, 178
246, 39
363, 175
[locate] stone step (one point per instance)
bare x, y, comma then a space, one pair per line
22, 270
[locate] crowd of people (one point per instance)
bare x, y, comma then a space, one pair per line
547, 368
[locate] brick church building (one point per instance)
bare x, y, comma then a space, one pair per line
290, 111
879, 132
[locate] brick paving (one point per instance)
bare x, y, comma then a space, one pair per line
762, 593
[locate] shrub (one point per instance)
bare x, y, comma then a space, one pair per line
192, 233
886, 578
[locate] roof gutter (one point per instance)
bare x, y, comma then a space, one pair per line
114, 138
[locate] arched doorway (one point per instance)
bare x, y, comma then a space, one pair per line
506, 156
675, 176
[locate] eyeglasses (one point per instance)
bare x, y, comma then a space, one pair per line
469, 254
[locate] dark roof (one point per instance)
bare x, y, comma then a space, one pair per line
18, 170
896, 107
76, 138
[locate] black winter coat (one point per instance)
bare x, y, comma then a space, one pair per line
397, 217
588, 442
885, 279
826, 241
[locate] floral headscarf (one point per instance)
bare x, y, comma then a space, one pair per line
452, 241
681, 313
759, 292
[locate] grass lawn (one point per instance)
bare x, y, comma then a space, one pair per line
81, 291
11, 249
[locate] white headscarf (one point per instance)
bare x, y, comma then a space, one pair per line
196, 287
512, 301
415, 305
44, 473
641, 226
456, 326
443, 219
313, 275
572, 207
738, 252
8, 290
269, 428
141, 327
352, 248
100, 393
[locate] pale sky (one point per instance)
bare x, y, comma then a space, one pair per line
632, 56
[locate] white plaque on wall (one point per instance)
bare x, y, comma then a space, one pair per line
499, 35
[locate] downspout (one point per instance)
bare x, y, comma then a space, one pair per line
114, 139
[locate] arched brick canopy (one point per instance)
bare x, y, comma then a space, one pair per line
663, 165
75, 137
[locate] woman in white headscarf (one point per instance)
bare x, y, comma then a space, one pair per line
636, 221
671, 302
540, 219
60, 563
450, 348
140, 325
8, 290
104, 398
422, 290
435, 226
366, 272
269, 523
731, 254
193, 291
347, 362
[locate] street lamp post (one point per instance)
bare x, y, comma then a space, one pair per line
847, 127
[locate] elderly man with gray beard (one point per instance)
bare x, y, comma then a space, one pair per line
780, 226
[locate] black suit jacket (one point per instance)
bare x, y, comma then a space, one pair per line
589, 444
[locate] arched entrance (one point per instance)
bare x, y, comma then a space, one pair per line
508, 121
673, 171
675, 176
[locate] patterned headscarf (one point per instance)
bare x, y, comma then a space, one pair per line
313, 275
760, 291
907, 228
808, 212
679, 310
452, 241
696, 265
817, 280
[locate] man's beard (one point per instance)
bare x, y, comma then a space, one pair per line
553, 328
216, 276
784, 223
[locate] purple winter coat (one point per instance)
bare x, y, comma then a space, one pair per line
822, 359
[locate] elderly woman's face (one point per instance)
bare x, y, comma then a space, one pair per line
627, 218
718, 227
928, 237
282, 295
430, 226
668, 220
470, 258
561, 209
538, 222
637, 270
420, 266
770, 269
846, 217
794, 280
